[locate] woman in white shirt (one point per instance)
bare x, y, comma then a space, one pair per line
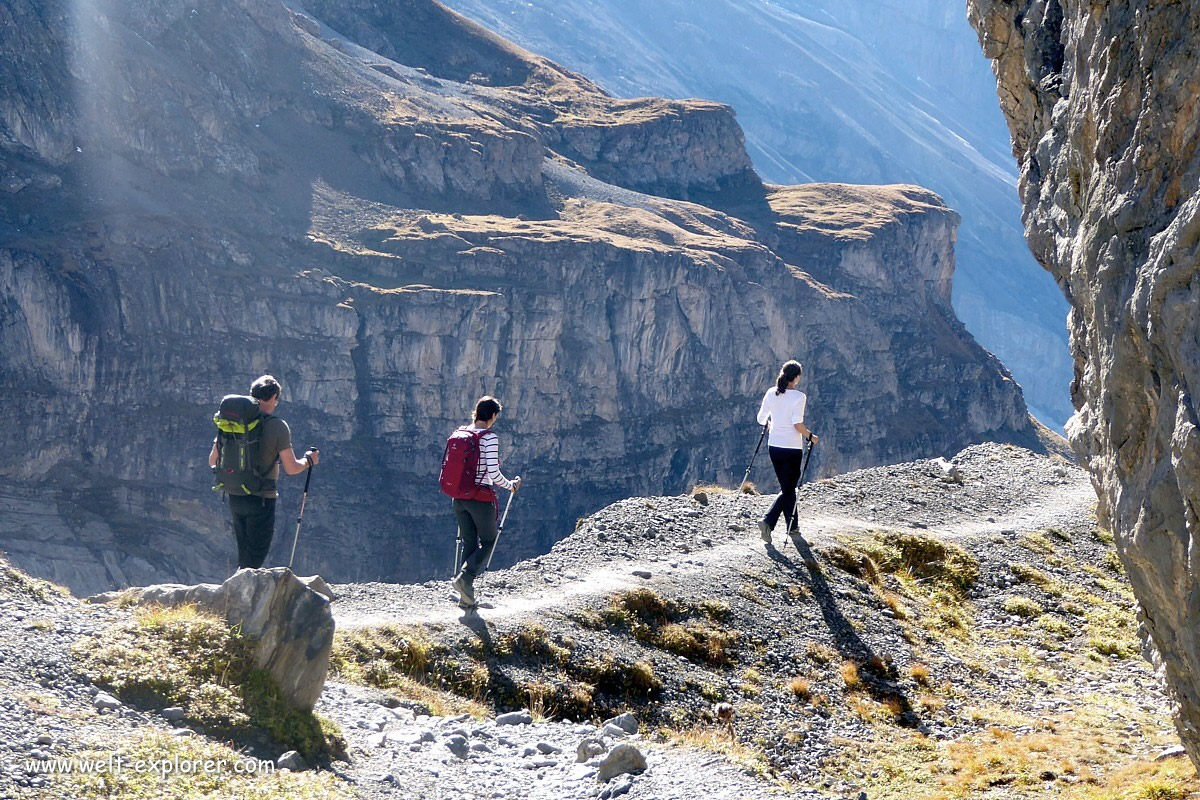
783, 409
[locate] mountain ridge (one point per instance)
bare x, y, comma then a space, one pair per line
391, 245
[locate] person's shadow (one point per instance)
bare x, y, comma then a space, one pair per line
878, 675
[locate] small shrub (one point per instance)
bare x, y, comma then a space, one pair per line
893, 601
646, 605
1106, 646
895, 707
539, 708
1074, 609
919, 673
533, 641
852, 562
924, 556
1023, 607
1027, 574
948, 614
642, 674
716, 610
1055, 625
819, 653
1060, 534
801, 688
850, 676
1112, 562
1036, 543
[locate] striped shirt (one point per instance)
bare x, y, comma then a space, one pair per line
488, 472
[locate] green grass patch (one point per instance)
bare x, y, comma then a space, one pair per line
1023, 607
922, 556
1056, 626
1036, 543
693, 631
191, 659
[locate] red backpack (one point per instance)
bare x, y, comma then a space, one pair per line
460, 465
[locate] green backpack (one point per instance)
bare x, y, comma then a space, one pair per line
240, 424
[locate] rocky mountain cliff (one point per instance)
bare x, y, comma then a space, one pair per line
874, 91
394, 211
1101, 102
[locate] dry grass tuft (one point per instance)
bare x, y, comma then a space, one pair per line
717, 740
819, 653
920, 673
851, 676
710, 489
802, 688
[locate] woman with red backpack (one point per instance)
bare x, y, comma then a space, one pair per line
470, 473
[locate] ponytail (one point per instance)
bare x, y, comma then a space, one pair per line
787, 374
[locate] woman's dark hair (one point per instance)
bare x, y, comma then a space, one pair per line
265, 388
787, 373
486, 408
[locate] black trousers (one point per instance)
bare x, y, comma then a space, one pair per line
253, 527
477, 529
788, 463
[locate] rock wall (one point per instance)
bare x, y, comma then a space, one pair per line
393, 220
1101, 99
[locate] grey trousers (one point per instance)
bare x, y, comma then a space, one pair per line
477, 529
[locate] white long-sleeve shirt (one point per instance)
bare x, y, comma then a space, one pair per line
783, 411
488, 472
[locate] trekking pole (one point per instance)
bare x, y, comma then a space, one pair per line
500, 530
300, 515
803, 469
458, 548
757, 447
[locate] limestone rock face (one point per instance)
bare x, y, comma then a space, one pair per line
395, 212
288, 617
1101, 99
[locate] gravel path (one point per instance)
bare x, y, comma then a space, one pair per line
1005, 491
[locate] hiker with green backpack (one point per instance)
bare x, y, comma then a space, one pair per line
250, 447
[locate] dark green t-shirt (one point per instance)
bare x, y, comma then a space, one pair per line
277, 437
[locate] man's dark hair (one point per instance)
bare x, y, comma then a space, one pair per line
265, 388
486, 408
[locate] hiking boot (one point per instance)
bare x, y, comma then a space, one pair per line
764, 530
466, 592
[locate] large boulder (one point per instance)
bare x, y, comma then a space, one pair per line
288, 617
1101, 103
